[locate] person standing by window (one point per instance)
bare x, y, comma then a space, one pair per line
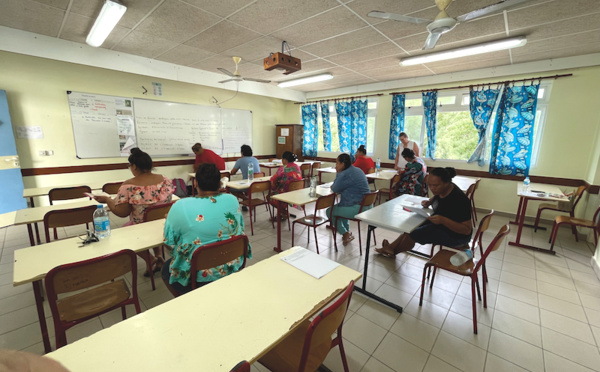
405, 143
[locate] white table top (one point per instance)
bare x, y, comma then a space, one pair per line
7, 219
40, 191
464, 182
244, 184
239, 317
36, 214
541, 191
392, 216
300, 197
193, 174
327, 170
384, 174
34, 262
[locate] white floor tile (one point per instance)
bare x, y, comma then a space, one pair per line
415, 331
437, 365
570, 348
519, 352
518, 328
567, 326
459, 353
555, 363
363, 333
400, 354
494, 363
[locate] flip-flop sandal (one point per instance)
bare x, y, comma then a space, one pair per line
384, 253
346, 241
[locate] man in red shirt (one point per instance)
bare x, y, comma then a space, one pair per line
207, 156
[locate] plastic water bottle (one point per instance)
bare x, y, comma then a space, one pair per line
526, 183
312, 192
250, 172
101, 222
461, 257
377, 166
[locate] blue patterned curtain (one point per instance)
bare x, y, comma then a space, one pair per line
513, 131
352, 125
396, 124
326, 127
481, 104
311, 130
430, 112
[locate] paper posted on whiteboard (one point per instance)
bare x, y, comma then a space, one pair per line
310, 262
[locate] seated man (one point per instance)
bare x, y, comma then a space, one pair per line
242, 165
207, 156
450, 224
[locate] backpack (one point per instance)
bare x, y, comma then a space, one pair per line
180, 188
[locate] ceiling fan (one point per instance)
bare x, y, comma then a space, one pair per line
235, 76
444, 23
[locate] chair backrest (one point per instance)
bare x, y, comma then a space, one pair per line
470, 191
66, 193
313, 170
225, 174
242, 366
484, 224
368, 199
394, 180
260, 186
259, 174
112, 187
68, 217
157, 211
317, 341
494, 245
305, 170
371, 170
219, 253
596, 219
578, 194
325, 201
296, 185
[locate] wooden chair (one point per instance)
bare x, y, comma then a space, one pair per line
471, 195
593, 224
305, 170
389, 191
571, 211
112, 187
242, 366
307, 346
152, 213
259, 174
292, 186
371, 181
219, 253
441, 260
314, 169
313, 220
368, 199
67, 217
251, 203
67, 193
104, 290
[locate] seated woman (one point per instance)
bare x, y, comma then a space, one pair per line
351, 183
288, 172
138, 193
192, 222
412, 176
450, 224
364, 162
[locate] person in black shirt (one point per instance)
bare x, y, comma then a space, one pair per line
450, 224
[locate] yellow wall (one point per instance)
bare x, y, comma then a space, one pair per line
36, 90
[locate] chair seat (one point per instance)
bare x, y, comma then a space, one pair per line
574, 221
442, 261
311, 220
553, 207
285, 356
252, 202
93, 301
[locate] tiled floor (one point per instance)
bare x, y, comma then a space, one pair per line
543, 311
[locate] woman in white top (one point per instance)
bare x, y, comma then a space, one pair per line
405, 143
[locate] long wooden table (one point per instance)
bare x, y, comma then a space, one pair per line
32, 264
535, 192
239, 317
390, 215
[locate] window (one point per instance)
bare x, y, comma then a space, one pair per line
457, 138
335, 142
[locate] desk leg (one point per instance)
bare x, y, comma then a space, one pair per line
517, 216
31, 201
363, 290
39, 303
278, 247
521, 221
37, 233
30, 231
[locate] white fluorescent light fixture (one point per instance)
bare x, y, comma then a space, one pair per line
493, 46
108, 18
306, 80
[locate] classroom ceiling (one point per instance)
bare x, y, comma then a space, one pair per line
334, 36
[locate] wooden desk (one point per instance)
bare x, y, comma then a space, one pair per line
244, 184
239, 317
536, 192
384, 174
32, 264
463, 182
296, 197
390, 216
325, 170
270, 166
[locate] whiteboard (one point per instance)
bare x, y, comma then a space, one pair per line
102, 127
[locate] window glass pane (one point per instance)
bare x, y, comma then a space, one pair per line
372, 105
465, 100
335, 141
412, 127
446, 100
412, 102
540, 93
370, 134
456, 136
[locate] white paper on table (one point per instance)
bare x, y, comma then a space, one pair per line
310, 262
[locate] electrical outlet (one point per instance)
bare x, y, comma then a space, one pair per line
49, 152
42, 153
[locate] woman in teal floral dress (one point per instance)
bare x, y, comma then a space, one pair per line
193, 222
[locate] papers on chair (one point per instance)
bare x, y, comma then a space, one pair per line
310, 262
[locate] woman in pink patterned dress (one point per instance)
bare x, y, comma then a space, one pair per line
138, 193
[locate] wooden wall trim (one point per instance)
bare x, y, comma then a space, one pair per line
569, 182
27, 172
